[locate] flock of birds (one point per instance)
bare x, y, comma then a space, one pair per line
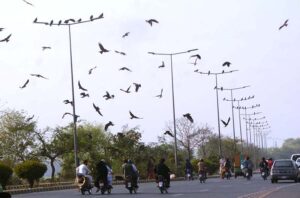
84, 92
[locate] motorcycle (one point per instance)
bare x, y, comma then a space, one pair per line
162, 184
84, 184
247, 173
189, 174
104, 188
227, 173
130, 184
264, 173
202, 177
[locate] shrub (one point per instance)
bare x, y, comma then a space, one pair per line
5, 174
31, 171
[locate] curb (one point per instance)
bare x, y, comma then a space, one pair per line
73, 186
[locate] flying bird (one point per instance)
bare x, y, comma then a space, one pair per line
127, 90
132, 116
160, 95
189, 117
284, 25
25, 84
108, 96
151, 21
168, 133
102, 49
83, 95
97, 109
39, 76
30, 118
227, 64
28, 2
68, 102
108, 125
91, 70
46, 47
137, 86
6, 38
126, 34
80, 87
1, 29
162, 65
67, 113
125, 68
226, 123
122, 53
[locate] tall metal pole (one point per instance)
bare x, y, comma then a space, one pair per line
246, 130
217, 95
68, 23
234, 144
173, 98
174, 119
219, 130
73, 100
241, 133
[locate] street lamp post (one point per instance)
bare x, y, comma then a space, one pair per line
173, 97
239, 111
69, 23
232, 100
217, 96
246, 124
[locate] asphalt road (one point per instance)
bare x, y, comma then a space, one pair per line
213, 188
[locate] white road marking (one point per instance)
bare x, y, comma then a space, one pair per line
264, 193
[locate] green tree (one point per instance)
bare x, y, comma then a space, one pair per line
5, 172
30, 170
16, 135
93, 144
52, 144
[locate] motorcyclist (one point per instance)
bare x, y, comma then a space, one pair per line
83, 170
202, 167
228, 167
248, 165
263, 165
188, 169
163, 170
270, 163
102, 173
130, 169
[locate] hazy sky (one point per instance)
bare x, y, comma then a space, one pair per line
242, 32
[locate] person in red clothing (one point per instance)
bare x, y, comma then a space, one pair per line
270, 163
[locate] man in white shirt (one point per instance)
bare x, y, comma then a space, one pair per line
83, 170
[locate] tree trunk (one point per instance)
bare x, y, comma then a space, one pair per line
52, 169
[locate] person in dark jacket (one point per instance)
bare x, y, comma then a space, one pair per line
102, 173
163, 170
188, 169
131, 171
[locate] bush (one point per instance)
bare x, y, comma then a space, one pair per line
31, 171
5, 174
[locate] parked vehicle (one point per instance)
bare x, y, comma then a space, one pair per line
294, 157
284, 169
162, 184
298, 162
